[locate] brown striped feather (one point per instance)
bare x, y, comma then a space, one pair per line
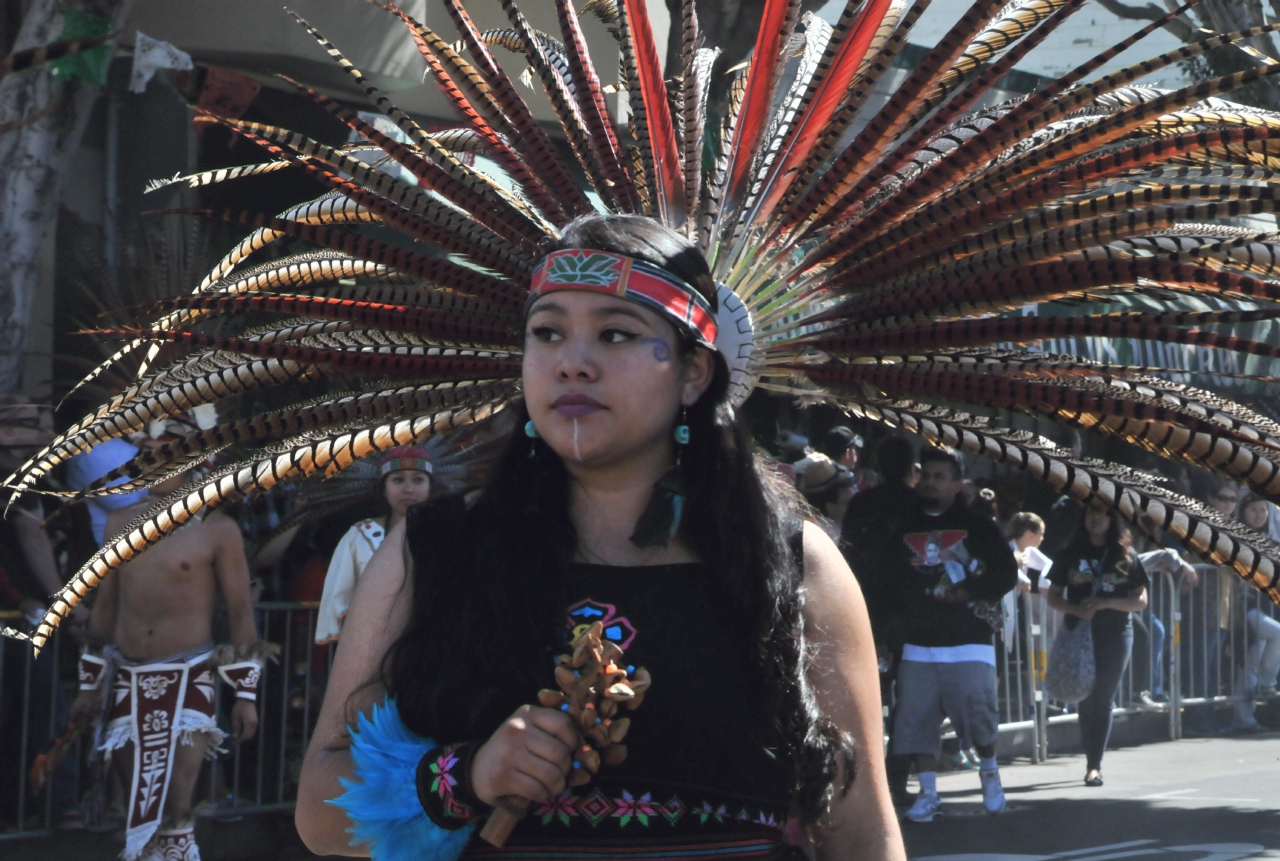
1131, 493
470, 95
541, 152
452, 179
419, 418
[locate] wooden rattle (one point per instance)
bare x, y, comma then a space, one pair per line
592, 689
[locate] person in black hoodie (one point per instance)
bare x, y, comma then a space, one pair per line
868, 538
956, 567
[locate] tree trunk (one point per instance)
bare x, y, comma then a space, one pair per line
34, 155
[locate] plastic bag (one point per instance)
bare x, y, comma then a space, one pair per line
1069, 673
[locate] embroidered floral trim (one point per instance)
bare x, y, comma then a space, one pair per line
598, 807
444, 781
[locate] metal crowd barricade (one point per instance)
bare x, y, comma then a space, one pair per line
1200, 666
258, 776
262, 775
1144, 672
21, 813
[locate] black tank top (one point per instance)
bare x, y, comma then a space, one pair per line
703, 757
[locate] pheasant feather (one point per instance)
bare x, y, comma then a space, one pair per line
885, 270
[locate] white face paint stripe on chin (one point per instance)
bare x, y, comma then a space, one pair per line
577, 452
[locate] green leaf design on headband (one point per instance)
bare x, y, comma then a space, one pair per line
595, 270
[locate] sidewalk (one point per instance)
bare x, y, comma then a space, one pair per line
1190, 800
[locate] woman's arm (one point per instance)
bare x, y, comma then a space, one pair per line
1133, 604
379, 610
861, 824
1057, 599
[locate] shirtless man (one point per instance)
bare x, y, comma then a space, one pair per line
155, 617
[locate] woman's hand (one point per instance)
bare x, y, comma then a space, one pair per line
529, 755
1085, 609
1094, 603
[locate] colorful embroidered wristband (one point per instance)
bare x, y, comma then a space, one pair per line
91, 669
244, 677
444, 785
386, 815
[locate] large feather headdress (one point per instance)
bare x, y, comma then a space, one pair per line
869, 263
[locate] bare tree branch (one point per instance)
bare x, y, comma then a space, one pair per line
1150, 12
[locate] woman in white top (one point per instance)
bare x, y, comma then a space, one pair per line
406, 481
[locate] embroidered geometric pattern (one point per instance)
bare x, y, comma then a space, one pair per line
445, 783
598, 807
619, 275
617, 629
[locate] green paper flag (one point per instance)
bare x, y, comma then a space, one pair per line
90, 65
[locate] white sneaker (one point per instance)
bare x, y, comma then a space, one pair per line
927, 806
992, 791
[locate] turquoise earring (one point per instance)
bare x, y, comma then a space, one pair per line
681, 433
530, 431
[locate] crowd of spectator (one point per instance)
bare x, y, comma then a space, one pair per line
942, 561
949, 566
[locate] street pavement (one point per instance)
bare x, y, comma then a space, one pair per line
1205, 799
1208, 799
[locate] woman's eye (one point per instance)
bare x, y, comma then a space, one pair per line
544, 333
617, 336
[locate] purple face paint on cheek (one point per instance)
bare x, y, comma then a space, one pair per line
661, 351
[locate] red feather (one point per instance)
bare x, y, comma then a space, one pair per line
669, 175
827, 97
754, 113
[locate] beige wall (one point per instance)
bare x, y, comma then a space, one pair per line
261, 38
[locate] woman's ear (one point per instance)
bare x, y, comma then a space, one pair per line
698, 374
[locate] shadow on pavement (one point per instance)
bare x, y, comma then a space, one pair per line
1088, 830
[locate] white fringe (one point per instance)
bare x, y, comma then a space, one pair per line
190, 722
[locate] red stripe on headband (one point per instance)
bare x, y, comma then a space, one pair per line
628, 278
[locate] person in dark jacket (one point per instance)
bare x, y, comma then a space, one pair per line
957, 567
866, 535
869, 540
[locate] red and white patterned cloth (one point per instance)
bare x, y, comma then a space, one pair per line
178, 844
157, 706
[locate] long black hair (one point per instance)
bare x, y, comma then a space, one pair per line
488, 582
1117, 545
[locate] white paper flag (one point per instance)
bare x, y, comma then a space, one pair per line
150, 56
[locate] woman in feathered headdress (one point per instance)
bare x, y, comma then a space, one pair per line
633, 497
879, 258
404, 480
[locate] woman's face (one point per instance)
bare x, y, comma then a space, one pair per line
603, 381
1096, 523
405, 488
1256, 514
1030, 538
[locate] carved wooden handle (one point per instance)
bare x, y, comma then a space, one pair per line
509, 810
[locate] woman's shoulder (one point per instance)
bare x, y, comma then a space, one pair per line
824, 564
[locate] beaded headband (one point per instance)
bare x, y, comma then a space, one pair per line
628, 278
405, 457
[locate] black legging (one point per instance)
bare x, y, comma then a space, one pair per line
1111, 648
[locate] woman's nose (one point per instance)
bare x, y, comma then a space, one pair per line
577, 361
